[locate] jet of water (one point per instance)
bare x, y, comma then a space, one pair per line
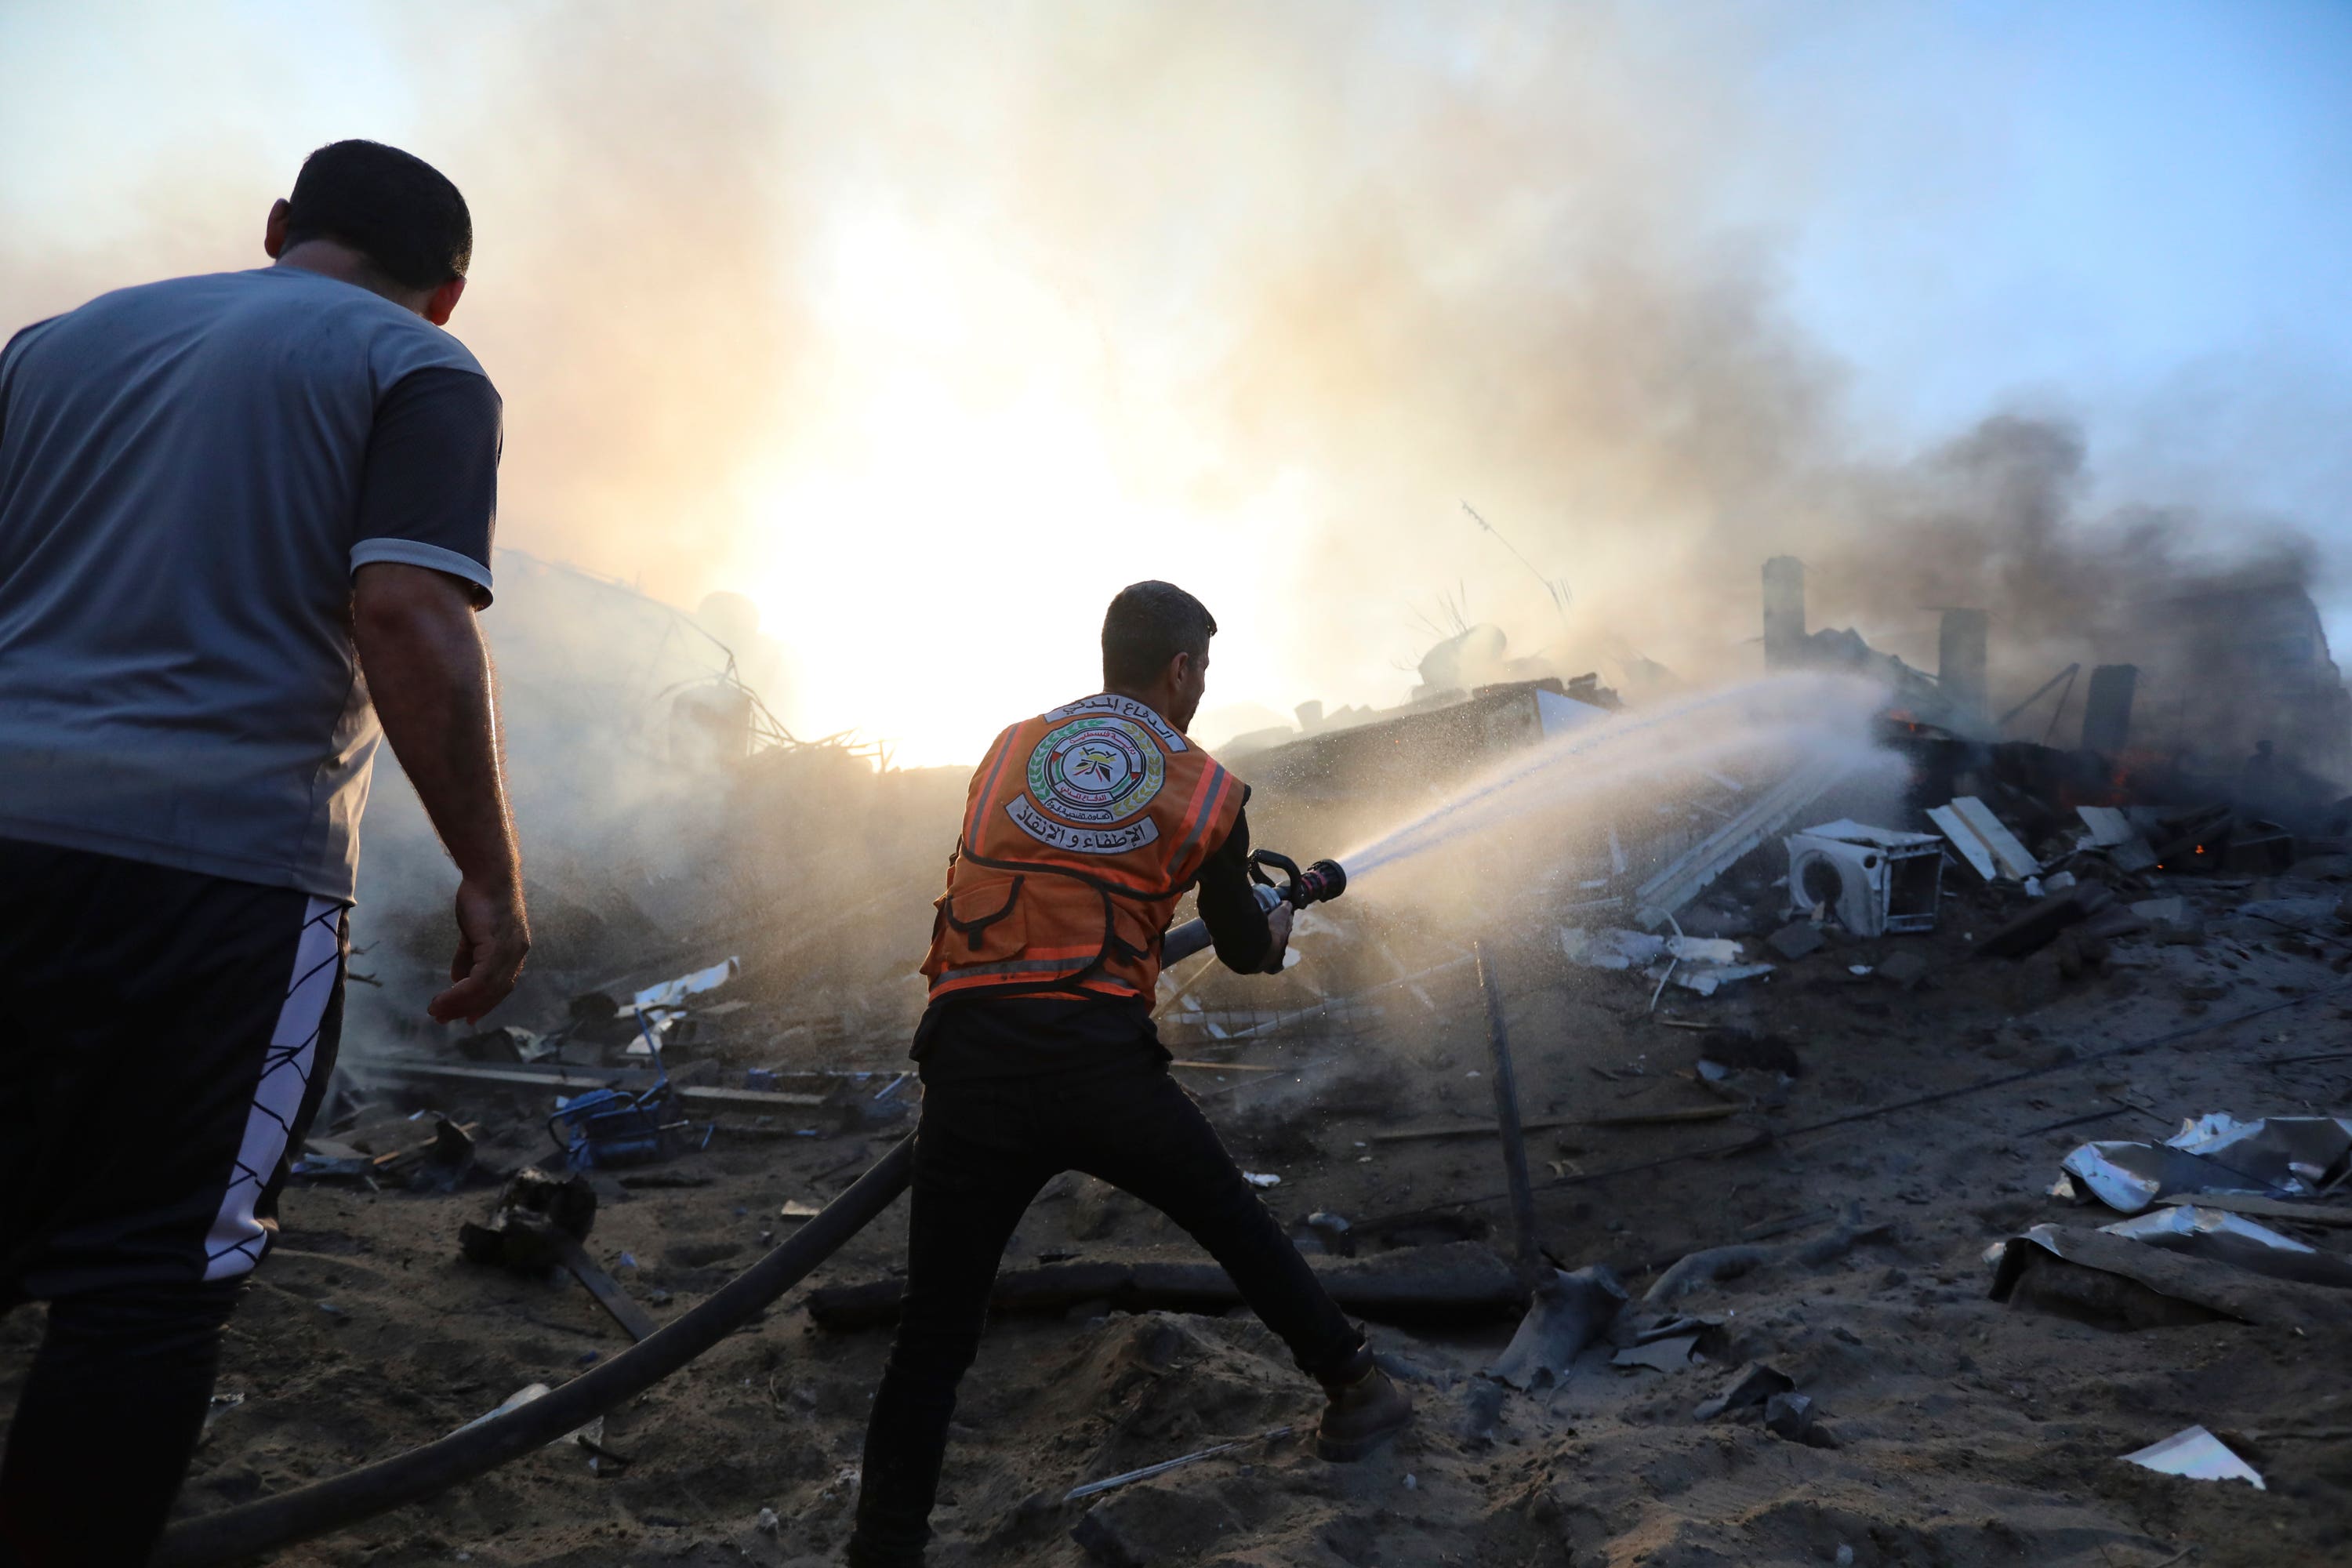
1628, 758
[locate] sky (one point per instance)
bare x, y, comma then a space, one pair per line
927, 326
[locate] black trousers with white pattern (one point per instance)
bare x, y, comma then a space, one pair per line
170, 1034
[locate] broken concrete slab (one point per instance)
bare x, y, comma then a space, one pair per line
1796, 940
2039, 926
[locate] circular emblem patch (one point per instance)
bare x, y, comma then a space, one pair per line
1097, 771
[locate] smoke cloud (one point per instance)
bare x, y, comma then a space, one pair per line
925, 328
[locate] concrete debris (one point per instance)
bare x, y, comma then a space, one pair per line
2040, 924
1791, 1416
1796, 940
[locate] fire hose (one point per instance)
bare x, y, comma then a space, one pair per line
270, 1523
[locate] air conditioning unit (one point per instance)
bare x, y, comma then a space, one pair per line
1875, 880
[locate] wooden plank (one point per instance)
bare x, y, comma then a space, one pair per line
607, 1290
1547, 1124
573, 1077
750, 1098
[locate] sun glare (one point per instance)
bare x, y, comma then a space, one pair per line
937, 550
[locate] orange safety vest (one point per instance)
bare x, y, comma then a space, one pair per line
1082, 828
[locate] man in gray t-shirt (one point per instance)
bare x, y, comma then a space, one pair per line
245, 528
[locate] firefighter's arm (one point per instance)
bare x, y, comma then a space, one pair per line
1248, 940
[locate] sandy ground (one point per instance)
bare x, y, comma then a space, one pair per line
1967, 1432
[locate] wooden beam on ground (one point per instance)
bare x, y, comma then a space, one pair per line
607, 1290
1545, 1124
427, 1070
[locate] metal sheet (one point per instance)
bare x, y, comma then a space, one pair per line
1681, 880
1964, 839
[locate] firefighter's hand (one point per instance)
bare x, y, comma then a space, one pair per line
1278, 923
493, 935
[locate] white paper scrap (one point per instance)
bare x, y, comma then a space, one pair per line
2198, 1454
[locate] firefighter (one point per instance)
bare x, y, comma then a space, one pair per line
1082, 828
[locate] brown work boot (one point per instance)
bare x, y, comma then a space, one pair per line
1363, 1414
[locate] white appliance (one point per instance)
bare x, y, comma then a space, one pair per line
1875, 880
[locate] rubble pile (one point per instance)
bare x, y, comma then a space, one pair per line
1950, 1173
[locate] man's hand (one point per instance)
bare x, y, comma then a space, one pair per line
493, 935
430, 676
1277, 922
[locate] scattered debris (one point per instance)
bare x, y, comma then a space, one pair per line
2039, 926
2279, 1156
1750, 1387
2116, 1283
1570, 1311
1790, 1415
1658, 1355
541, 1222
670, 992
2234, 1239
2197, 1454
1983, 840
1163, 1467
1715, 1264
535, 1213
1767, 813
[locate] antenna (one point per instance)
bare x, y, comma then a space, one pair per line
1561, 595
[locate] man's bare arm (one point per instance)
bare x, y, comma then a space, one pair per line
429, 674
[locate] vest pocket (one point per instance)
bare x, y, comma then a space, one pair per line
1135, 929
983, 917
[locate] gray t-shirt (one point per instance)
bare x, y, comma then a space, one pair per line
190, 471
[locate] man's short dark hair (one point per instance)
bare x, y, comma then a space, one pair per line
1148, 625
396, 209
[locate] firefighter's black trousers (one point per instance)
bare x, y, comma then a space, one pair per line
984, 1148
